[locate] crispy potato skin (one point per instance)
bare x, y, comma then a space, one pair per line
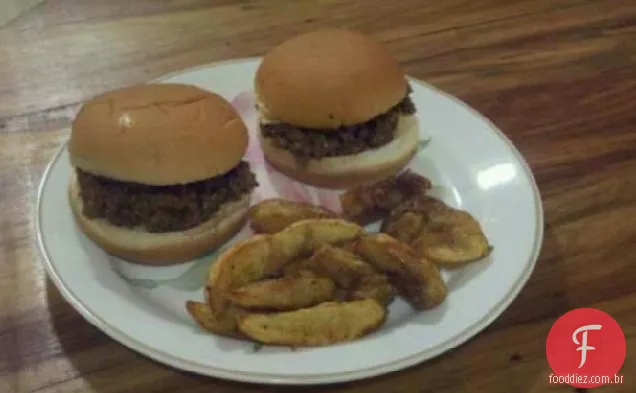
285, 293
376, 286
405, 226
223, 324
449, 237
300, 266
355, 278
452, 237
344, 267
417, 278
365, 203
273, 215
324, 324
261, 256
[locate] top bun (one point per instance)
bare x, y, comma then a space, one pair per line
158, 134
328, 78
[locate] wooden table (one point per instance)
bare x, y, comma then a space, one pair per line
558, 76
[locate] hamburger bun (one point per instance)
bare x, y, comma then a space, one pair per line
160, 249
157, 134
346, 171
328, 78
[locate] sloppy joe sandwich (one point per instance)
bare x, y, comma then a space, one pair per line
335, 109
159, 173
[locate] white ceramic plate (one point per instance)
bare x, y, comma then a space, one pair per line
473, 166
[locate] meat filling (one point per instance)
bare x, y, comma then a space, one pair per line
162, 208
306, 143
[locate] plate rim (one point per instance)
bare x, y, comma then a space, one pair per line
300, 379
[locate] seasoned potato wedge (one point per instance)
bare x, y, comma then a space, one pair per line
261, 256
299, 266
223, 324
243, 263
451, 236
366, 202
324, 324
439, 232
274, 215
285, 293
344, 267
404, 226
376, 286
355, 278
417, 278
326, 231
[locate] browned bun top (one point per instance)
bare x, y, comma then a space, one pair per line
158, 134
328, 78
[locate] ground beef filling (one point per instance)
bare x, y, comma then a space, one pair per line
162, 208
306, 143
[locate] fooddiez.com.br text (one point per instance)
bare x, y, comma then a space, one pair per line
584, 379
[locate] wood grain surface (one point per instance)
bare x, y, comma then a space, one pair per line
557, 76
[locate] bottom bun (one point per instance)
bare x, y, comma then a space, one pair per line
347, 171
160, 249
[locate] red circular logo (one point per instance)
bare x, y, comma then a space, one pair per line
586, 348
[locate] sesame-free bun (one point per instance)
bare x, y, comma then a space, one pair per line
347, 171
157, 134
328, 78
160, 249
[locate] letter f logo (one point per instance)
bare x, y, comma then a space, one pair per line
583, 344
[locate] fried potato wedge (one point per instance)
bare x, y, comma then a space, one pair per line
404, 226
417, 278
245, 262
223, 324
274, 215
376, 286
285, 293
300, 266
406, 221
364, 203
261, 256
326, 231
324, 324
447, 236
342, 266
452, 237
355, 278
